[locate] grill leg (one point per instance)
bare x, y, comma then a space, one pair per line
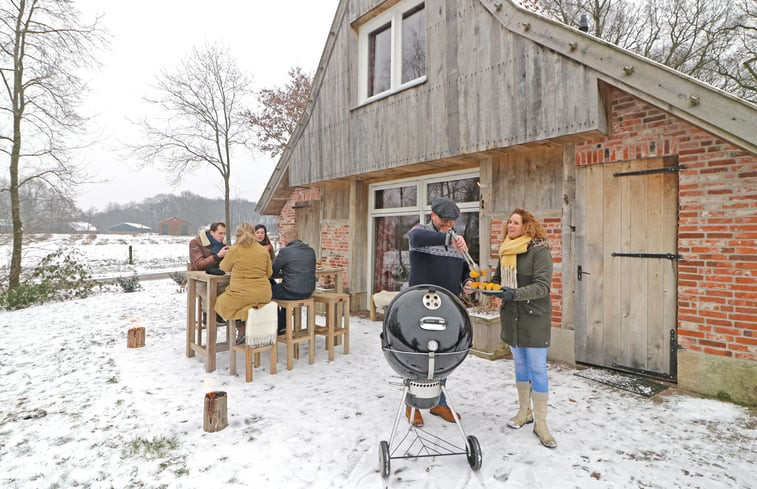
397, 417
454, 415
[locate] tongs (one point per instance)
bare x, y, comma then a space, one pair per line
471, 264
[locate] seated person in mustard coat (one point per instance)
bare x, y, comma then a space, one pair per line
250, 266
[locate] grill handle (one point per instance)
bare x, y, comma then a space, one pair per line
430, 365
433, 323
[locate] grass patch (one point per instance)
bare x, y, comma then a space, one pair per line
158, 447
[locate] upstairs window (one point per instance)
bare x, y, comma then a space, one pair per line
392, 51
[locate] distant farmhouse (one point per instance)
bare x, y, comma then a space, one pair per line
130, 227
82, 227
174, 226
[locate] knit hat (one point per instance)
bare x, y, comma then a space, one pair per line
445, 208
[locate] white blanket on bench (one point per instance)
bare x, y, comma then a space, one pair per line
262, 325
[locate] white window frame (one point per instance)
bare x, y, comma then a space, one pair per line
392, 15
422, 209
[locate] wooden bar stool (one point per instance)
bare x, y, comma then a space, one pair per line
260, 335
337, 320
296, 333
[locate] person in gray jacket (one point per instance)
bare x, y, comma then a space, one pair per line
295, 265
525, 272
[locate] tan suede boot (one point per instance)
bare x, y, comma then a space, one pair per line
540, 419
524, 415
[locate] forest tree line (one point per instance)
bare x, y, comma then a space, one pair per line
49, 212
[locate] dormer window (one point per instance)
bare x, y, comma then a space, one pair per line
392, 52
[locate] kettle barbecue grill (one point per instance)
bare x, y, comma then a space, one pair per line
426, 335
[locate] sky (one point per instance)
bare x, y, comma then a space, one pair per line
147, 36
83, 410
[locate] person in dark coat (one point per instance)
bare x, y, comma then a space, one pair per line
525, 272
436, 259
295, 265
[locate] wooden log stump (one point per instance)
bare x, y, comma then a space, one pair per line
136, 337
214, 416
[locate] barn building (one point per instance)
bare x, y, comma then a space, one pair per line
174, 227
645, 178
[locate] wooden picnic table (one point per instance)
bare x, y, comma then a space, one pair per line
194, 318
209, 349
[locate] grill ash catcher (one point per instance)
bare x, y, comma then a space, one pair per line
426, 335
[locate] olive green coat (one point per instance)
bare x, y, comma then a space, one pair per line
526, 321
250, 268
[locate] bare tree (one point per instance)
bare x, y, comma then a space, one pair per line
201, 105
711, 41
43, 48
43, 209
281, 108
737, 70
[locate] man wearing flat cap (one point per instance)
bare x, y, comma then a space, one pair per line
436, 259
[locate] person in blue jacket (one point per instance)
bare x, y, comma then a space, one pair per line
436, 258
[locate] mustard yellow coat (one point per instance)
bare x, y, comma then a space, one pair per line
250, 267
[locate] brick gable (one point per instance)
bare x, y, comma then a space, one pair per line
717, 221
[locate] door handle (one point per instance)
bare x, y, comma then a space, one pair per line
581, 273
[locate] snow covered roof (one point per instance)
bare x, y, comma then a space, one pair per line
82, 226
131, 226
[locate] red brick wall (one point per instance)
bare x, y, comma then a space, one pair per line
335, 247
287, 218
335, 241
553, 226
717, 222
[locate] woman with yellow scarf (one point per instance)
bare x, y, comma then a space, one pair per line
525, 272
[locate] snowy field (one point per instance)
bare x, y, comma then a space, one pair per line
82, 410
107, 255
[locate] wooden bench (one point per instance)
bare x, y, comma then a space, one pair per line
337, 320
296, 332
380, 301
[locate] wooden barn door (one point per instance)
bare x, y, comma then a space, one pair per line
308, 216
626, 245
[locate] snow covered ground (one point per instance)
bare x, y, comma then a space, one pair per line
82, 410
107, 255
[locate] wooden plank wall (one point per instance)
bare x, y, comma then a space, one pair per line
359, 258
336, 200
531, 179
308, 228
486, 88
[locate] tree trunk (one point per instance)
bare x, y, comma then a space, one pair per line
14, 278
227, 208
18, 230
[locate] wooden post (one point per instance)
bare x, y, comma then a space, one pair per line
214, 412
136, 338
131, 261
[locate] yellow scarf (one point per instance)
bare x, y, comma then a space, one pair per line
508, 259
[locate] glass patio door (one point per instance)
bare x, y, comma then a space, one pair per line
398, 206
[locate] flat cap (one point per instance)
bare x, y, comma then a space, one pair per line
445, 208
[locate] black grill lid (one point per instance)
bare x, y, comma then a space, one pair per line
424, 319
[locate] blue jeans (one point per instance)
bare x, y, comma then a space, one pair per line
531, 365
